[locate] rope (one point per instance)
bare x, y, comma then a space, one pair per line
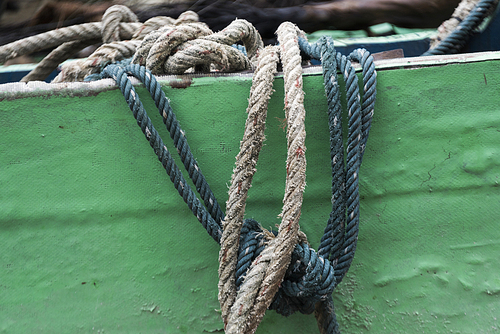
175, 49
113, 28
311, 289
309, 282
259, 269
260, 93
50, 39
115, 50
111, 20
212, 215
48, 64
451, 42
104, 55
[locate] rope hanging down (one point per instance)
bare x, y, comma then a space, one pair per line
293, 277
243, 313
310, 279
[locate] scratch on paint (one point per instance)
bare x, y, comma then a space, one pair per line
476, 244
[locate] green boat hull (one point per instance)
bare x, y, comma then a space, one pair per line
95, 239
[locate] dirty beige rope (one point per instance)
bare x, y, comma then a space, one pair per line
55, 38
111, 20
174, 50
158, 45
106, 54
267, 272
116, 50
110, 31
63, 52
262, 88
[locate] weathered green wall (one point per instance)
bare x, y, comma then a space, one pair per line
95, 239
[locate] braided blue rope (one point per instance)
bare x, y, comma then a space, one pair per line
339, 244
457, 39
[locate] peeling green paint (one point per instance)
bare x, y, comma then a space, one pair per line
95, 239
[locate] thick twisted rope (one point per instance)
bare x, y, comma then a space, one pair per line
158, 45
115, 50
250, 146
110, 31
104, 55
176, 49
266, 273
89, 31
111, 20
287, 237
451, 42
63, 52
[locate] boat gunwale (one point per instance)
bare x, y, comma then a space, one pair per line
17, 90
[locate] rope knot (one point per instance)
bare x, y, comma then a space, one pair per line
188, 44
308, 279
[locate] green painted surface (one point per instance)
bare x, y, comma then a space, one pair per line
94, 238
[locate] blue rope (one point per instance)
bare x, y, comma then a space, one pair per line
339, 240
312, 276
210, 220
457, 39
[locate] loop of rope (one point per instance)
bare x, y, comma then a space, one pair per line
240, 183
104, 55
48, 64
110, 31
157, 45
111, 20
114, 50
210, 219
266, 273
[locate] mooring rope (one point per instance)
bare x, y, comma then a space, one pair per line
115, 50
266, 273
174, 50
246, 160
259, 269
210, 219
307, 279
53, 38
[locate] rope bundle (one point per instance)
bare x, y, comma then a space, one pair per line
258, 269
162, 44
